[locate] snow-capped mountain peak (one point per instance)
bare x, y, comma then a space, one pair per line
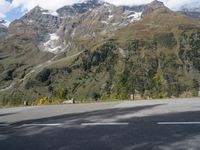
4, 23
87, 19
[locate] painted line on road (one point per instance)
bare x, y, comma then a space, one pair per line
104, 124
4, 125
49, 125
177, 123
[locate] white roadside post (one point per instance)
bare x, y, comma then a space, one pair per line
132, 97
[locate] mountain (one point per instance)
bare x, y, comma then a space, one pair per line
56, 32
3, 29
79, 8
154, 6
95, 50
195, 13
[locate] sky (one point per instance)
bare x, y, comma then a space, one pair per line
13, 9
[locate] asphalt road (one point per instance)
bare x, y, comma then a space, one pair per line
145, 125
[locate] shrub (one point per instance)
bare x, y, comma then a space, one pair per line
43, 75
42, 101
166, 39
96, 96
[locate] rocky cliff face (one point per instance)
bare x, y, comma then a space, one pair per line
97, 25
3, 29
42, 18
79, 8
154, 5
63, 30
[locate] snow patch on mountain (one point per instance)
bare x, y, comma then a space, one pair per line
91, 1
53, 13
132, 16
73, 33
110, 17
104, 22
47, 11
52, 44
136, 16
4, 23
7, 23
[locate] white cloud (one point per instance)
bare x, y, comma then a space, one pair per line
177, 4
173, 4
55, 4
4, 8
46, 4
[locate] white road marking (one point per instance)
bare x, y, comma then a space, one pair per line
104, 124
177, 123
50, 125
4, 125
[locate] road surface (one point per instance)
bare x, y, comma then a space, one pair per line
128, 125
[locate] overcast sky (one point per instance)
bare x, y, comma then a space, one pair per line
12, 9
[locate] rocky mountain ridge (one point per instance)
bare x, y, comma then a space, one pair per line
64, 22
50, 26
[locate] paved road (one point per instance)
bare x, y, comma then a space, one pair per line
145, 125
